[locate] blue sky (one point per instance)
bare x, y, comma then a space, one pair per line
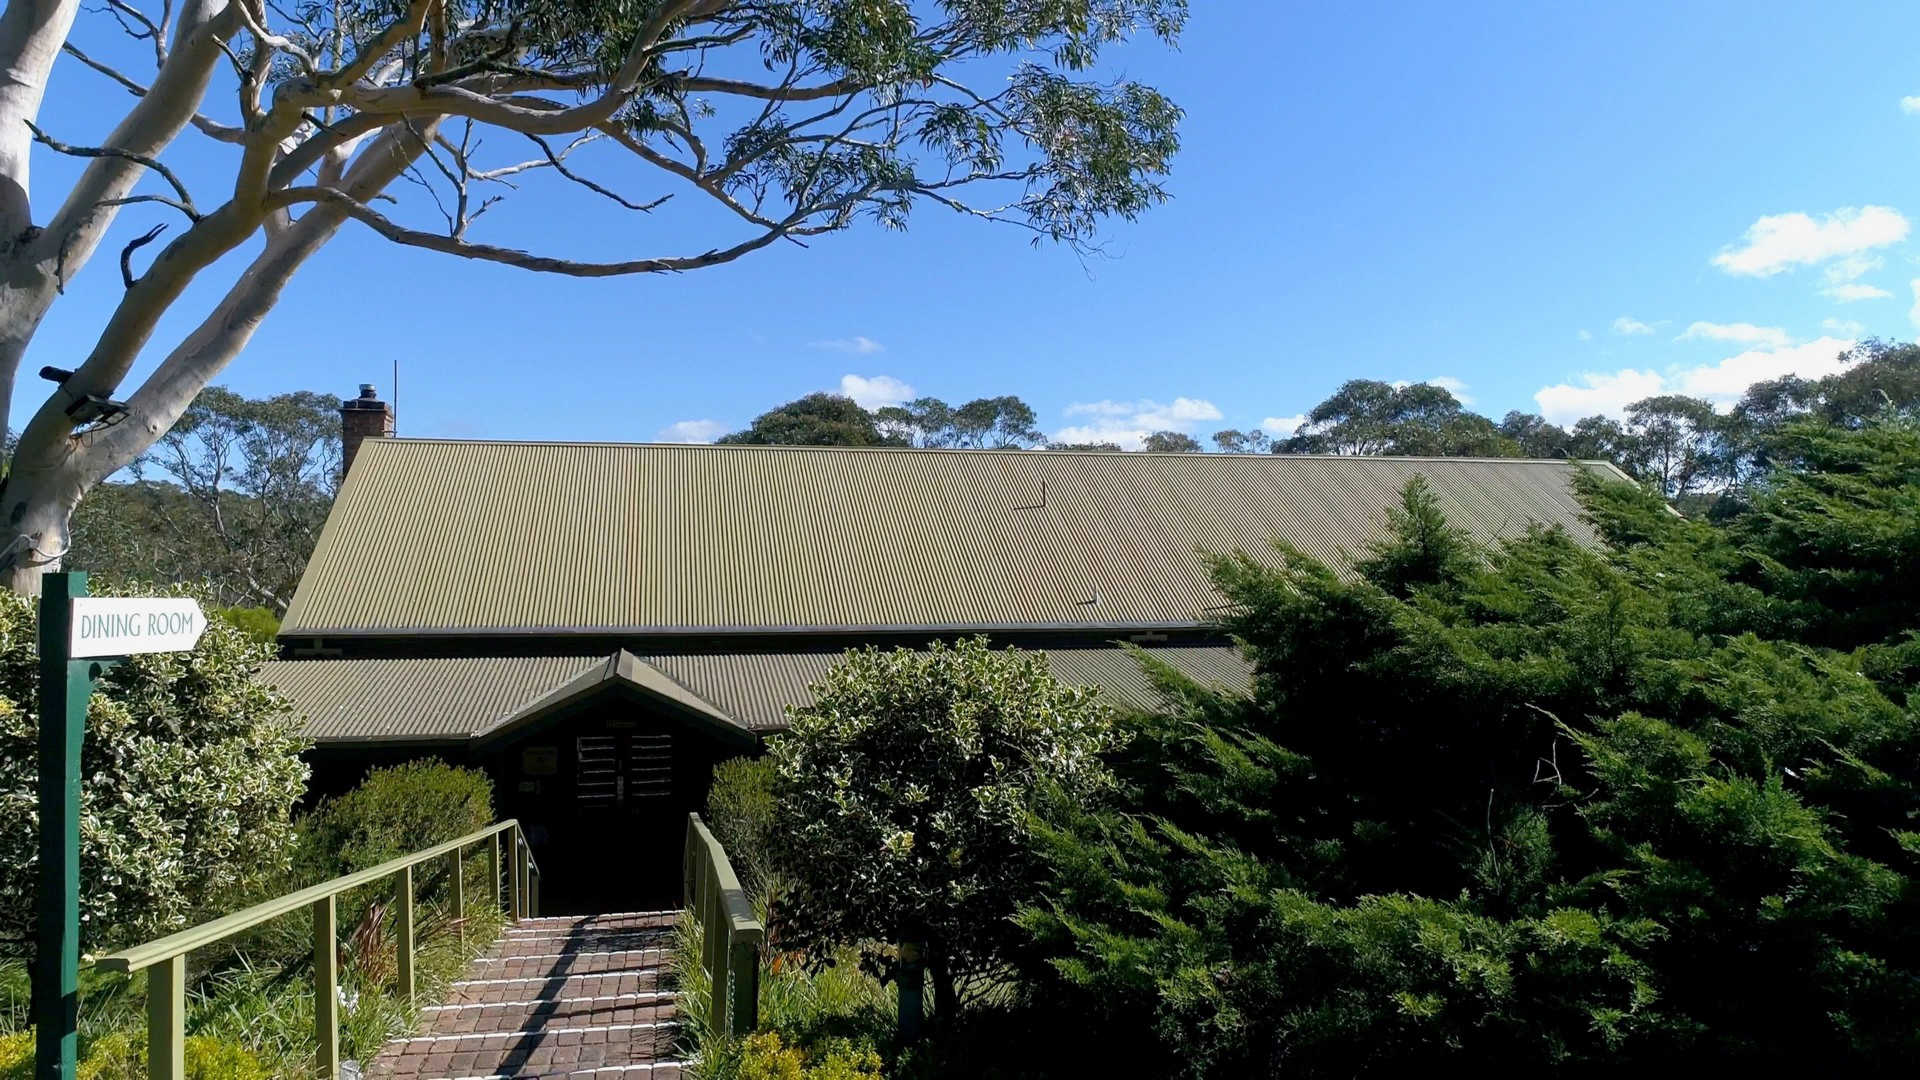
1557, 209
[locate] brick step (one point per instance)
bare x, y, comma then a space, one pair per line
638, 920
571, 962
662, 1070
666, 914
584, 997
552, 1050
525, 1014
589, 938
650, 978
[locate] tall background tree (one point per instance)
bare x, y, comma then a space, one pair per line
793, 118
823, 419
231, 499
996, 423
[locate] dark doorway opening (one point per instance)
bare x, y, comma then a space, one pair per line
603, 782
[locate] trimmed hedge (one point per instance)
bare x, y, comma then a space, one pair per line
395, 811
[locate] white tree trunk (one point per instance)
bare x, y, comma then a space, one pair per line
51, 472
31, 33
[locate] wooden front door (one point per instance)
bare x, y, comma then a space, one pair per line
623, 773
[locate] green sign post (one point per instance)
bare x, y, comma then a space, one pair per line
78, 635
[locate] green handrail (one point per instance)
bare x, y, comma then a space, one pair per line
732, 937
165, 959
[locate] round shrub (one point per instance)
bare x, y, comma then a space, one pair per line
905, 795
189, 775
395, 811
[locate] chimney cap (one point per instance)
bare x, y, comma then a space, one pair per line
367, 392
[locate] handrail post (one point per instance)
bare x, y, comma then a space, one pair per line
686, 863
717, 934
717, 967
493, 871
167, 1019
460, 893
326, 986
533, 893
744, 1004
403, 930
515, 868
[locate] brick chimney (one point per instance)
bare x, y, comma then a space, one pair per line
362, 418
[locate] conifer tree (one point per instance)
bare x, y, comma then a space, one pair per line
1550, 809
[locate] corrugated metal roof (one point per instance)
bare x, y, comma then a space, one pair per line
352, 701
431, 698
442, 536
629, 670
756, 688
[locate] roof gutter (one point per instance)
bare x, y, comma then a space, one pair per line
821, 630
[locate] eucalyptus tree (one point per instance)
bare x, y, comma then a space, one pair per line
789, 119
231, 499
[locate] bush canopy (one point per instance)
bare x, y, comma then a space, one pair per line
904, 795
1533, 808
189, 776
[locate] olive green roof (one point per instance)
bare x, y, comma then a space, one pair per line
435, 537
436, 698
457, 700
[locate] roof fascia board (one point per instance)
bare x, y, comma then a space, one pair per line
625, 673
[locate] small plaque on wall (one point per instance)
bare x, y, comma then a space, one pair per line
540, 761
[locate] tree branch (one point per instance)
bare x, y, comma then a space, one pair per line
560, 167
226, 133
148, 128
256, 25
167, 174
166, 394
836, 88
138, 242
155, 31
161, 199
400, 234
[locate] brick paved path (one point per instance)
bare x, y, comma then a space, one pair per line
578, 996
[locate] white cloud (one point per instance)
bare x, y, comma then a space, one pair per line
1724, 382
1743, 332
1843, 279
1128, 423
1456, 387
876, 392
1843, 327
1280, 427
1627, 324
1609, 393
1780, 242
691, 431
1853, 268
1584, 335
1854, 291
858, 345
1910, 104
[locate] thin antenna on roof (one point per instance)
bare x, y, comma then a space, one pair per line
395, 393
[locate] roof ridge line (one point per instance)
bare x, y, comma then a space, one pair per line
394, 440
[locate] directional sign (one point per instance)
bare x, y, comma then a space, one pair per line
77, 634
124, 625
